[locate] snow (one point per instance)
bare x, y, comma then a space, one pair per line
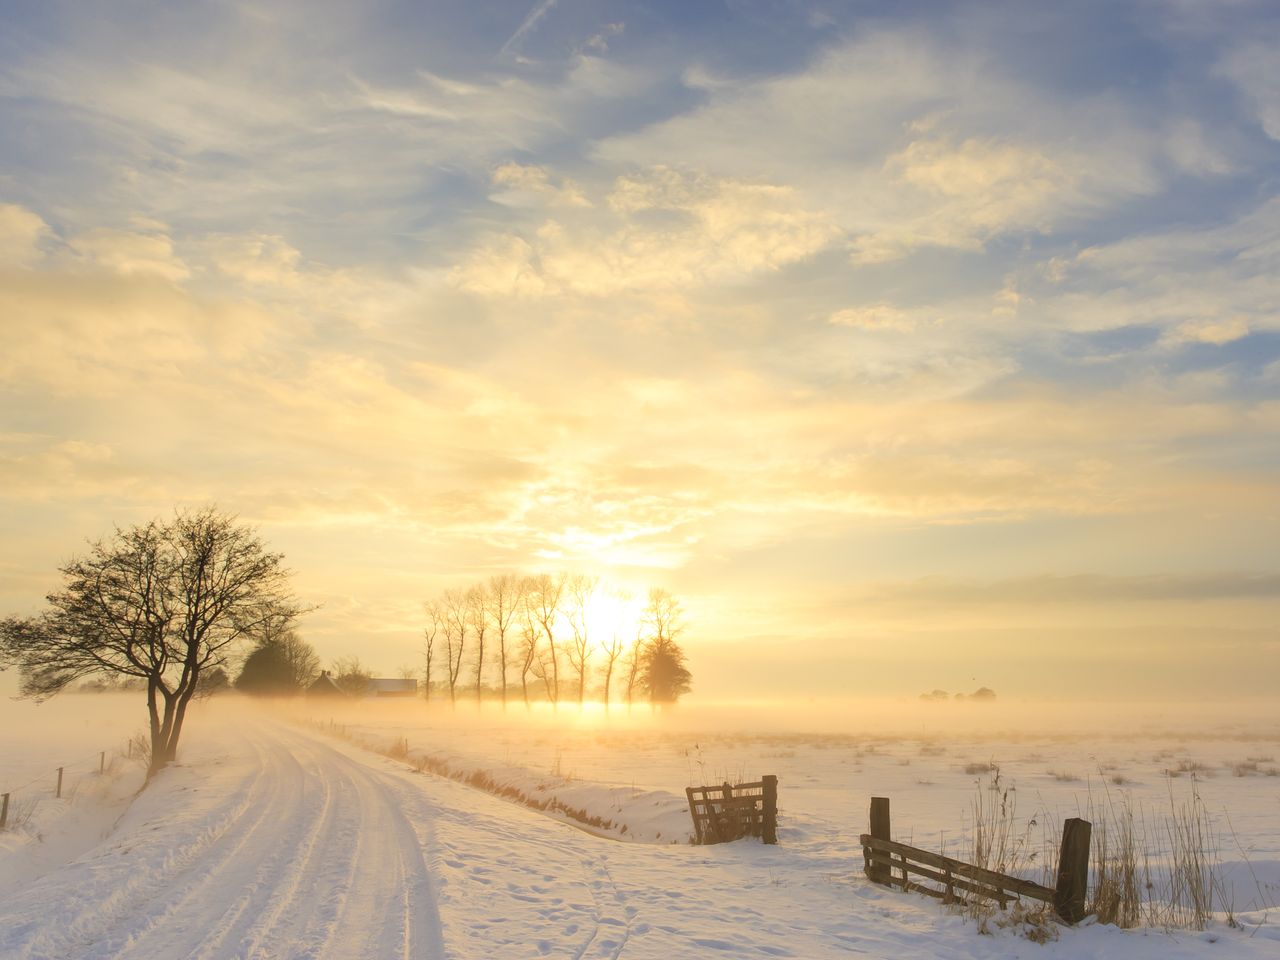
281, 834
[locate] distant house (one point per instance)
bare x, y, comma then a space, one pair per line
323, 686
391, 688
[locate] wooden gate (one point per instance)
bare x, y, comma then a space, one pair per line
730, 811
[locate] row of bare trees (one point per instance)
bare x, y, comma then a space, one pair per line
516, 629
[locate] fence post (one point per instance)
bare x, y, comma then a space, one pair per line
4, 812
879, 872
769, 829
693, 812
1073, 870
102, 762
57, 794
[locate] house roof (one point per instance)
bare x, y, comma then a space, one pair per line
323, 685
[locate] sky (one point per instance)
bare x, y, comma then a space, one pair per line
911, 345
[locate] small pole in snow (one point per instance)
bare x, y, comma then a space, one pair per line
102, 761
4, 812
57, 794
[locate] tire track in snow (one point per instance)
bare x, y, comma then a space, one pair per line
201, 904
303, 853
105, 925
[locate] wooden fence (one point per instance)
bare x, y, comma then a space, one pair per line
895, 864
730, 811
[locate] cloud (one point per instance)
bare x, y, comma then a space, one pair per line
531, 185
880, 316
664, 229
1216, 332
994, 184
258, 259
1253, 68
1082, 588
535, 14
1214, 285
131, 253
908, 139
21, 233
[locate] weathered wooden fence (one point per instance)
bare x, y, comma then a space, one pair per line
730, 811
895, 864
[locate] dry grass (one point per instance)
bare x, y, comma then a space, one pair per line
1153, 868
20, 811
1163, 869
1036, 922
1193, 767
140, 748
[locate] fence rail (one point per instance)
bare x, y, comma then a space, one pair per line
894, 864
952, 874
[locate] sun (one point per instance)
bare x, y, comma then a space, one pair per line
612, 613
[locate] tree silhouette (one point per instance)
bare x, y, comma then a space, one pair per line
663, 673
163, 602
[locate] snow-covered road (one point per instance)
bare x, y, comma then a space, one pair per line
291, 848
271, 841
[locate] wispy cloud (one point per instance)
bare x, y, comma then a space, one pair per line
539, 10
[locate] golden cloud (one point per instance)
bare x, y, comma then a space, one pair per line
20, 234
668, 229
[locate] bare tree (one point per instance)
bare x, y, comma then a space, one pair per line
504, 599
545, 598
612, 649
455, 637
162, 602
633, 662
528, 638
435, 621
580, 590
478, 620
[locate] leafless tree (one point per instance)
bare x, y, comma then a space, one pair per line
633, 661
504, 600
612, 649
435, 622
579, 591
455, 636
545, 598
162, 602
478, 621
529, 636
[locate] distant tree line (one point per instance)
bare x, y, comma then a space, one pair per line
165, 607
538, 633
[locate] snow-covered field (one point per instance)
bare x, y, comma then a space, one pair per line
280, 835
